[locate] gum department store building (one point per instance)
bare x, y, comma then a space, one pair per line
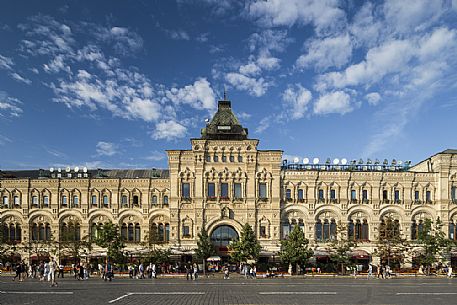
221, 183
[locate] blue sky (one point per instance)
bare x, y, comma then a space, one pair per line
113, 84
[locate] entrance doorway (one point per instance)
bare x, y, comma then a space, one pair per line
221, 238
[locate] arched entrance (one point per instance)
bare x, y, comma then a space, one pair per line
221, 238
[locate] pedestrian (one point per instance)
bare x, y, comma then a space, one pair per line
226, 273
130, 268
41, 271
81, 272
449, 271
154, 273
195, 271
141, 271
46, 271
52, 272
189, 271
370, 271
61, 268
18, 269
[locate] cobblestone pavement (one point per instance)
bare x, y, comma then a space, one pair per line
234, 291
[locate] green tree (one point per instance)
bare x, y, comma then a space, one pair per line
341, 247
108, 237
247, 247
391, 246
294, 249
434, 242
72, 243
205, 247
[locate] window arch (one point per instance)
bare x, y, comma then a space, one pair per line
12, 232
131, 232
325, 229
41, 231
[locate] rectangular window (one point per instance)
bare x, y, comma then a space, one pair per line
416, 195
263, 231
397, 195
237, 190
300, 195
35, 200
185, 231
285, 230
185, 190
16, 200
332, 194
105, 200
46, 200
428, 196
211, 190
384, 195
165, 199
262, 190
94, 200
224, 190
364, 195
75, 200
321, 194
288, 194
353, 195
64, 200
5, 200
454, 193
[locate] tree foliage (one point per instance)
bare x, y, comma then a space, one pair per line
434, 243
294, 249
391, 246
341, 247
108, 237
72, 243
205, 247
247, 247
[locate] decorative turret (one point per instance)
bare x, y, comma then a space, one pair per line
224, 125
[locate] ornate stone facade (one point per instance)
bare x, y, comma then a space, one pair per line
224, 180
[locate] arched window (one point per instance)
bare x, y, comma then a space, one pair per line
130, 232
41, 235
137, 232
413, 230
300, 194
48, 232
35, 233
318, 230
154, 199
160, 233
124, 232
365, 230
452, 231
94, 200
165, 200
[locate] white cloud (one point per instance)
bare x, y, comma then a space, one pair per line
263, 124
323, 14
169, 130
407, 16
373, 98
21, 79
334, 102
145, 109
250, 69
57, 64
106, 149
124, 41
268, 62
255, 87
9, 106
199, 95
155, 156
295, 100
178, 34
6, 62
326, 53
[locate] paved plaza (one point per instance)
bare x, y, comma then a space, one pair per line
233, 291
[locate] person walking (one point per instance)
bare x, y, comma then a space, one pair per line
52, 272
370, 271
449, 271
61, 268
141, 271
195, 271
18, 272
189, 271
